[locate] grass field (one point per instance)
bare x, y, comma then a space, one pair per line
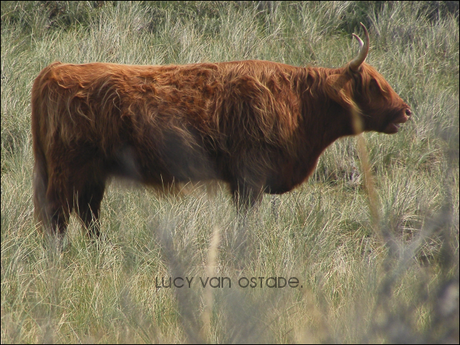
381, 269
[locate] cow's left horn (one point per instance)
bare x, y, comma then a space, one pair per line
363, 50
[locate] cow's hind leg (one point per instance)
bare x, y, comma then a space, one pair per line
52, 201
89, 199
56, 209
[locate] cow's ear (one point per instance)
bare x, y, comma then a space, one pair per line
338, 89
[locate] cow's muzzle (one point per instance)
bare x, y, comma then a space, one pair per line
394, 125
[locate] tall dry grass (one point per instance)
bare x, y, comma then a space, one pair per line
373, 241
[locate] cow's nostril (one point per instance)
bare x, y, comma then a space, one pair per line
408, 112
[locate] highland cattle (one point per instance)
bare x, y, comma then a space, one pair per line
260, 126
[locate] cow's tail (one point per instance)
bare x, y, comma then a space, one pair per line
39, 126
40, 186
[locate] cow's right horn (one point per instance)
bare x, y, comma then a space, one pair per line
363, 50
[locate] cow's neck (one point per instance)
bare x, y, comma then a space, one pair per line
321, 115
323, 121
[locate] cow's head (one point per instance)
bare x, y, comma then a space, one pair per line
369, 99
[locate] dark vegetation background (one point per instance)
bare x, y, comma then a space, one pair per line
371, 270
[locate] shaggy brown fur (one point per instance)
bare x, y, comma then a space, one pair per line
258, 125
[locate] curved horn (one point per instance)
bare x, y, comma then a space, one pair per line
363, 50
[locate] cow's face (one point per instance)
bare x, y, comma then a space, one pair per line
380, 107
362, 91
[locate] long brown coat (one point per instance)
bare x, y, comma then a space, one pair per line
258, 125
